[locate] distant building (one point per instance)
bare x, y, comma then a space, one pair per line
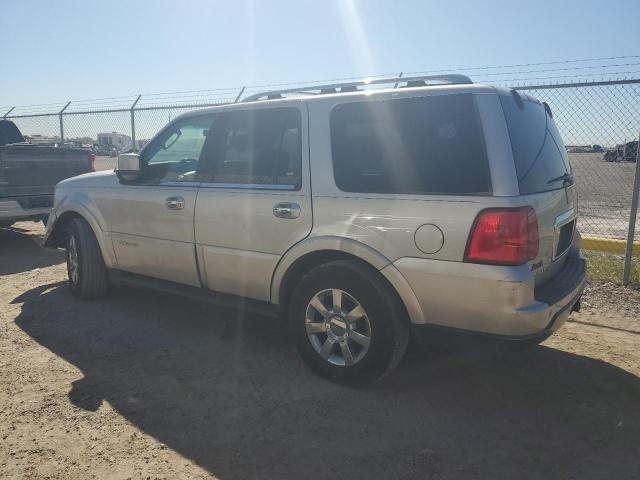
118, 140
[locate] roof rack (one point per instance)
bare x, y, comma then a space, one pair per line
353, 86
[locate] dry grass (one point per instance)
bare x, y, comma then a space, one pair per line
607, 267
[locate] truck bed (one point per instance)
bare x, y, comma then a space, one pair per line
29, 173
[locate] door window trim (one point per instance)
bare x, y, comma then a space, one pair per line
251, 186
209, 165
144, 159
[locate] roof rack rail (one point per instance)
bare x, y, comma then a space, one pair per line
353, 86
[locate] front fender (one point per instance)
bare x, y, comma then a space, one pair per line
80, 204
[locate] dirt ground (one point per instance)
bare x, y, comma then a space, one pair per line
145, 385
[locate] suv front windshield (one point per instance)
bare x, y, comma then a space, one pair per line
538, 151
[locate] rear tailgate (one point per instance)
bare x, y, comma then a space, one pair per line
33, 170
544, 178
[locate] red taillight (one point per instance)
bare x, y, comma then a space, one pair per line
503, 237
92, 162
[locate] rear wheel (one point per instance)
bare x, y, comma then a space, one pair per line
85, 265
349, 325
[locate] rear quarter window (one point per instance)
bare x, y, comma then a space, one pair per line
538, 150
426, 145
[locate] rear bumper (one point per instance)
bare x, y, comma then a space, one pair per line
494, 300
11, 209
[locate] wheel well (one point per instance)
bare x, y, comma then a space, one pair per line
311, 260
56, 238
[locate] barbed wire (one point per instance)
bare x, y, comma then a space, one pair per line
217, 95
538, 79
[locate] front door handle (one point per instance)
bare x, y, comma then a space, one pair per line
175, 203
286, 210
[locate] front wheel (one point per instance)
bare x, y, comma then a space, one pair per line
349, 325
85, 265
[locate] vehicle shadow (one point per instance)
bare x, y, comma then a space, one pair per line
227, 391
19, 252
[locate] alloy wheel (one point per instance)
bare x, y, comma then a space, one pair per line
72, 260
338, 327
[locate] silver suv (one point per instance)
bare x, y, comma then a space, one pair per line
362, 214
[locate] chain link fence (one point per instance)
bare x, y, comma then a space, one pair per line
600, 125
599, 122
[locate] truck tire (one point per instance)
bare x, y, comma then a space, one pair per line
348, 323
85, 265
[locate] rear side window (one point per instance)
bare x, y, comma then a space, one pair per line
424, 145
538, 151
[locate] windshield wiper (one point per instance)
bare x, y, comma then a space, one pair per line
567, 179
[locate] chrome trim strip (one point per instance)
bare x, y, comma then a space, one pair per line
565, 217
560, 221
174, 184
251, 186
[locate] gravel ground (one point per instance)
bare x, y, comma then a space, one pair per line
604, 194
145, 385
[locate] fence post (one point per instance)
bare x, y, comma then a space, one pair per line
399, 76
62, 122
239, 95
133, 124
8, 112
632, 220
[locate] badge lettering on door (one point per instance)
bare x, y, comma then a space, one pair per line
126, 243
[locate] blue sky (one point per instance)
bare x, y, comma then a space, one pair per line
53, 51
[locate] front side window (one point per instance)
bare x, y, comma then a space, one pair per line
258, 147
174, 156
426, 145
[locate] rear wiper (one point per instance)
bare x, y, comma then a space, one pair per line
567, 179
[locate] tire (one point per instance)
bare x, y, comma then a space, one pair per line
85, 266
321, 332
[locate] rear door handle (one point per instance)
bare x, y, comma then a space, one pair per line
286, 210
174, 203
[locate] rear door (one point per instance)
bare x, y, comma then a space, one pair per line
544, 176
254, 202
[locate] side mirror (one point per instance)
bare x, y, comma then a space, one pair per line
128, 168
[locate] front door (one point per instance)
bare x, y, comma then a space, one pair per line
254, 202
152, 219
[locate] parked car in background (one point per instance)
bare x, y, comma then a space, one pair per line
626, 152
29, 173
71, 145
103, 150
449, 206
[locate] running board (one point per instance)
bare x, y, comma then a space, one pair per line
118, 277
